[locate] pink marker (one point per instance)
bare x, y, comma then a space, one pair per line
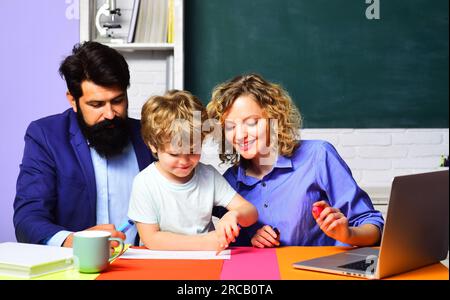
316, 210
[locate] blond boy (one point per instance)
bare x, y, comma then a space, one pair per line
172, 199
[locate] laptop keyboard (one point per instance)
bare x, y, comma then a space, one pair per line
361, 265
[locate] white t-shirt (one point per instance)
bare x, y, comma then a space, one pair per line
179, 208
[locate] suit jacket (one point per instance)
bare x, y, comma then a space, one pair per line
56, 187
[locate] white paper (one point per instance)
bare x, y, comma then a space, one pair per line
132, 253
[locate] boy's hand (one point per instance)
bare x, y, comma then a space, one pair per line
266, 237
227, 229
332, 221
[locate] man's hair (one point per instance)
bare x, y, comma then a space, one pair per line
169, 119
94, 62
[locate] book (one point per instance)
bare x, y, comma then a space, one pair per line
31, 260
141, 23
158, 32
170, 22
152, 21
134, 15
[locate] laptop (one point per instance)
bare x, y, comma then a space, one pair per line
416, 232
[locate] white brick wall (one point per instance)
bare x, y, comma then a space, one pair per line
417, 137
148, 77
376, 156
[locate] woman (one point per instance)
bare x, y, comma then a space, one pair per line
285, 177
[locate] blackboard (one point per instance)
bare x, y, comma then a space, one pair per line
342, 69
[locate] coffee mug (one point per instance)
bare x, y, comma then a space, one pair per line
91, 250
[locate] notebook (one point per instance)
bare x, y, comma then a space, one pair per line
30, 260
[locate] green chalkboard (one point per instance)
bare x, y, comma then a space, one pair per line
342, 69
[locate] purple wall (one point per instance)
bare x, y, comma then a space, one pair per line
35, 37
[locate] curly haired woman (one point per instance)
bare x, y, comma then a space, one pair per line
304, 191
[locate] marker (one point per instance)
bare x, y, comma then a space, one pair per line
278, 234
316, 210
125, 226
276, 231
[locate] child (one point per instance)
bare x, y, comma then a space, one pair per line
172, 199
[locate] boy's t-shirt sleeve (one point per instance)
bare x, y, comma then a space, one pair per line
223, 191
142, 206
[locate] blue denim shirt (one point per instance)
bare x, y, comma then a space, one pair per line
285, 196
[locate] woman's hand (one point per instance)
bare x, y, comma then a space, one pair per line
332, 222
266, 237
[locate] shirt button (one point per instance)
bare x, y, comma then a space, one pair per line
263, 184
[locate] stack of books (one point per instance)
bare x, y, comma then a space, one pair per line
30, 260
152, 21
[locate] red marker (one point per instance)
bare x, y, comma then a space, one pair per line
316, 210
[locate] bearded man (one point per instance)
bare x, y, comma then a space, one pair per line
78, 166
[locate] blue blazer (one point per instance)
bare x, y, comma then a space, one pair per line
56, 187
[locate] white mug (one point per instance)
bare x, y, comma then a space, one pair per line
91, 250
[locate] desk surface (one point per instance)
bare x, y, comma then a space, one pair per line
246, 263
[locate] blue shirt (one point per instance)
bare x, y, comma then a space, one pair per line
285, 196
114, 179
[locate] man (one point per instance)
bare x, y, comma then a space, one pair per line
78, 166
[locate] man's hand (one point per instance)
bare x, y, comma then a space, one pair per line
103, 227
266, 237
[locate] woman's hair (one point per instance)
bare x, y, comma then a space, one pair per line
175, 118
271, 97
95, 62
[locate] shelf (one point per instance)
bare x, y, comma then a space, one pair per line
154, 67
141, 46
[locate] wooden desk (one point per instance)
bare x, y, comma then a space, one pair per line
246, 263
288, 255
249, 263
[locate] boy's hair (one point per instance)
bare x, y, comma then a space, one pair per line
271, 97
175, 118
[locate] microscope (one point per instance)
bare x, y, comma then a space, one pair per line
108, 9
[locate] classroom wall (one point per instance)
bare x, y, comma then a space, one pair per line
32, 47
376, 156
341, 66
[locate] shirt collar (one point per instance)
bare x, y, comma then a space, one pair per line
282, 162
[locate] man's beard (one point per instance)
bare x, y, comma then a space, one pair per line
109, 137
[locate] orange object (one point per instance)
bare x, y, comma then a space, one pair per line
289, 255
163, 269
